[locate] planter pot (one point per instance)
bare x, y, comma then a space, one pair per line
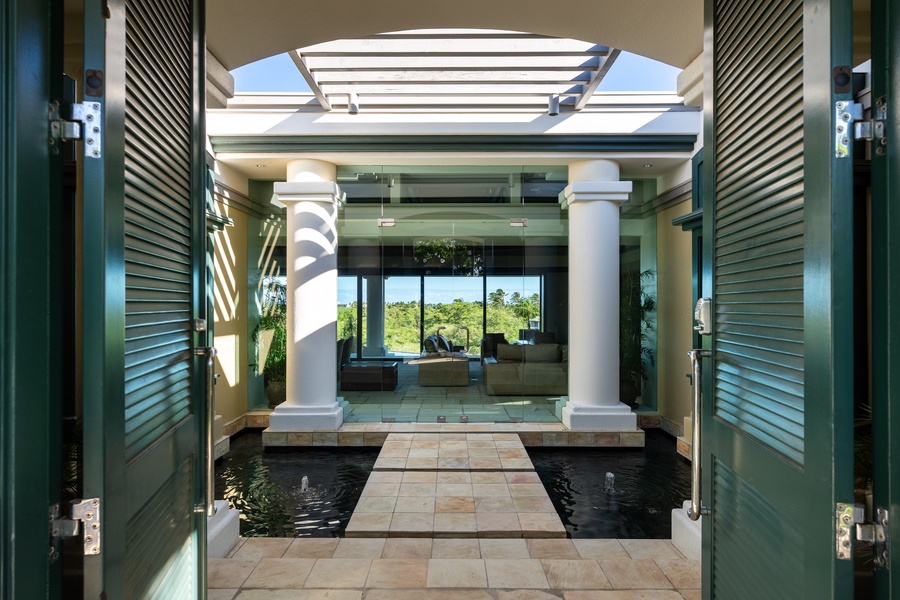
276, 392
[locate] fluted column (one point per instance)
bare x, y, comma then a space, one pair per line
594, 197
311, 198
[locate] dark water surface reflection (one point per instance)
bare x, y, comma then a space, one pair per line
649, 483
266, 487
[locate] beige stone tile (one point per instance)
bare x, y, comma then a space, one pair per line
295, 438
554, 549
581, 438
393, 452
394, 573
258, 547
339, 573
422, 463
691, 594
575, 574
412, 523
229, 572
455, 548
526, 595
632, 439
381, 489
455, 522
390, 463
453, 573
636, 574
454, 489
312, 548
237, 546
527, 489
375, 504
652, 549
486, 452
503, 549
453, 463
423, 453
533, 504
419, 477
485, 490
494, 505
301, 594
432, 594
556, 438
547, 524
623, 595
532, 438
522, 464
683, 573
512, 453
413, 504
421, 490
385, 477
515, 573
368, 522
486, 464
597, 549
351, 438
359, 548
220, 594
325, 438
280, 573
493, 477
454, 504
454, 477
434, 444
526, 477
274, 438
496, 522
374, 438
407, 548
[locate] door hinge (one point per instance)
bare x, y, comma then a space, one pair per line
83, 123
877, 533
83, 515
853, 115
846, 516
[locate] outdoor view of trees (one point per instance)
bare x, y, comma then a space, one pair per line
506, 313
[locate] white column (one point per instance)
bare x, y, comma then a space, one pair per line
311, 198
374, 316
594, 196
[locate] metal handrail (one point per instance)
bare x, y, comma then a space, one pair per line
696, 510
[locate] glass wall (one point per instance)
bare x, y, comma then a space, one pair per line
449, 266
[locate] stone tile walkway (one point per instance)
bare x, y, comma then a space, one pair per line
453, 451
453, 569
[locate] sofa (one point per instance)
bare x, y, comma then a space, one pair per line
528, 369
439, 365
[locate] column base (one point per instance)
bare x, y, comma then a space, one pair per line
307, 418
617, 417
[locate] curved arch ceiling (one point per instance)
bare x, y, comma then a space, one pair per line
241, 32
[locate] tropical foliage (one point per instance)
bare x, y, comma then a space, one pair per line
273, 318
402, 320
637, 312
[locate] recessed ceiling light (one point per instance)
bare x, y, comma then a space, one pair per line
647, 166
260, 166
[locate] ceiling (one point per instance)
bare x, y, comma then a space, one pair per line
241, 32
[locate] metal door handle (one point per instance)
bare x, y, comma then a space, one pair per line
210, 354
696, 509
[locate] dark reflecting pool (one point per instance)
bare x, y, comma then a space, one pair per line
647, 485
268, 489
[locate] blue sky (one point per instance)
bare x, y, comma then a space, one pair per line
442, 290
630, 73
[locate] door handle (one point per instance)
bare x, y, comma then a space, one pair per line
696, 509
210, 353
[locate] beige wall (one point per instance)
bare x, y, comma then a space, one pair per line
675, 314
231, 313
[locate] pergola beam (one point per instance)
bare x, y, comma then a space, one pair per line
598, 76
300, 63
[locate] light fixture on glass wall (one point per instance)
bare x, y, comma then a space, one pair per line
553, 105
353, 103
386, 222
518, 222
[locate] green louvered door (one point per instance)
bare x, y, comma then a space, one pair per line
144, 288
778, 389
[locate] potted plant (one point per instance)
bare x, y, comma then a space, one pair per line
270, 335
635, 322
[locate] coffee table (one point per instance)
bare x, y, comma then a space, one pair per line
372, 376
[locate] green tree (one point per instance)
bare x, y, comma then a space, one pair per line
497, 299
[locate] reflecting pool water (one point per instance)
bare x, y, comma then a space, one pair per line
612, 493
309, 492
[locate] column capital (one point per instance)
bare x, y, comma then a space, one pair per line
326, 192
588, 191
